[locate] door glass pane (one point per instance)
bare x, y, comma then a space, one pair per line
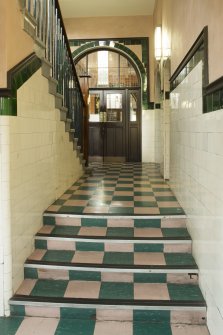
133, 107
114, 107
94, 107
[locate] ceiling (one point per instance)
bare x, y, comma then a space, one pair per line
96, 8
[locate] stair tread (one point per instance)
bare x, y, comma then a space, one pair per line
105, 258
55, 326
114, 232
88, 292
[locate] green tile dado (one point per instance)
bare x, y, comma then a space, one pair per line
17, 76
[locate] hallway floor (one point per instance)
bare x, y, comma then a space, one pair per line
113, 257
119, 189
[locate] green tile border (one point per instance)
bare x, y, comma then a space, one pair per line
16, 77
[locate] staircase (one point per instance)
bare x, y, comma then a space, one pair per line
111, 274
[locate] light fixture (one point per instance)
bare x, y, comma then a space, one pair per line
158, 43
162, 44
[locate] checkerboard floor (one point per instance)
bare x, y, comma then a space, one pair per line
119, 189
55, 326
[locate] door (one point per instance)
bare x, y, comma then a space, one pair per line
114, 123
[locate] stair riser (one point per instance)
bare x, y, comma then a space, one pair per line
58, 244
114, 222
117, 314
103, 276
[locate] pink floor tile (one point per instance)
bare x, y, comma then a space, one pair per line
76, 203
122, 204
114, 315
92, 231
88, 257
173, 223
144, 198
188, 317
119, 247
182, 278
46, 312
151, 291
120, 223
84, 192
38, 326
189, 330
61, 245
68, 221
82, 289
143, 189
46, 229
124, 193
53, 208
149, 258
37, 254
148, 232
65, 196
101, 197
147, 210
53, 274
96, 210
113, 328
26, 287
117, 277
180, 247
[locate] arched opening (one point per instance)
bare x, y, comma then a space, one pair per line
114, 104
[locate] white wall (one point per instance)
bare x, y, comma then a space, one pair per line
197, 180
37, 165
152, 145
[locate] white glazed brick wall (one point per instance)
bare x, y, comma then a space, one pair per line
197, 180
43, 165
151, 136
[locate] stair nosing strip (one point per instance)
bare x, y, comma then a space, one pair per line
113, 267
112, 216
108, 303
103, 239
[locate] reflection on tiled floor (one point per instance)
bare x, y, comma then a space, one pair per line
117, 189
55, 326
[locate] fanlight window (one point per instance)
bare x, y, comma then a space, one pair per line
107, 69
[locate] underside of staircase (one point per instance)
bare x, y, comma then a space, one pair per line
112, 272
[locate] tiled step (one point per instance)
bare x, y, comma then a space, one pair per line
114, 221
53, 326
113, 238
65, 297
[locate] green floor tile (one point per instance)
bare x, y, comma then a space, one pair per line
147, 328
121, 210
121, 183
9, 325
161, 189
120, 232
122, 198
85, 275
80, 197
150, 278
98, 203
59, 202
179, 259
145, 204
17, 310
66, 230
118, 258
49, 220
147, 223
71, 209
58, 256
116, 291
87, 188
69, 192
143, 193
185, 292
124, 189
166, 198
146, 247
40, 244
77, 327
85, 222
78, 313
171, 211
109, 185
49, 288
151, 316
175, 232
89, 246
30, 273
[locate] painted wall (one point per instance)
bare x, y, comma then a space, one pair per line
110, 27
11, 24
37, 165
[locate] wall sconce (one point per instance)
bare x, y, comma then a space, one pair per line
162, 45
158, 43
